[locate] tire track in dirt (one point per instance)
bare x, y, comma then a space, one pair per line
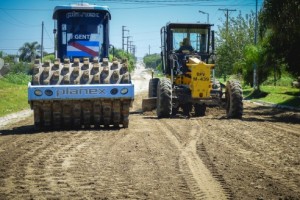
286, 128
259, 145
62, 148
85, 173
34, 164
199, 179
126, 163
40, 168
15, 182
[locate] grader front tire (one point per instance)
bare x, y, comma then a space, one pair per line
164, 98
234, 100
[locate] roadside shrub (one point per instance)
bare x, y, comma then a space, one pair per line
17, 78
21, 67
50, 57
284, 80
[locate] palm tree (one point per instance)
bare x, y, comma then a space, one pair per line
29, 51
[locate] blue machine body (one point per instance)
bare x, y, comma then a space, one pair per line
75, 92
82, 31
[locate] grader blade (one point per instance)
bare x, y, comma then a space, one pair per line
149, 104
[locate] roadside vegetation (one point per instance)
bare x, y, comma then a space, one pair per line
13, 88
123, 56
13, 93
153, 61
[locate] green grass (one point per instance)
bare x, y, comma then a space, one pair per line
247, 91
13, 96
280, 95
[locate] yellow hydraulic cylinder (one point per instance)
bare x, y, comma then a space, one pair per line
200, 84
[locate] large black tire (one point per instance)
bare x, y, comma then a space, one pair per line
234, 99
152, 92
164, 98
199, 110
187, 109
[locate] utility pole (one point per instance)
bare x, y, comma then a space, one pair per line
54, 35
226, 15
149, 49
127, 45
255, 32
42, 41
255, 41
123, 31
130, 46
133, 50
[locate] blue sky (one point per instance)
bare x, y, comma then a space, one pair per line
20, 20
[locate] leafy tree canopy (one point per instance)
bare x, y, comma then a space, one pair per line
29, 51
280, 20
231, 42
152, 61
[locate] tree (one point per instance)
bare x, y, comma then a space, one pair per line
122, 55
280, 20
29, 51
152, 61
231, 44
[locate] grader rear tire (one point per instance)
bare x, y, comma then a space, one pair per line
152, 92
234, 99
164, 98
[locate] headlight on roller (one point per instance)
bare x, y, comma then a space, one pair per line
38, 92
49, 92
114, 91
124, 91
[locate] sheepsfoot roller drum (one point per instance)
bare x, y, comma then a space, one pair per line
77, 95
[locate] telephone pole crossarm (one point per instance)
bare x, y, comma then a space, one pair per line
227, 15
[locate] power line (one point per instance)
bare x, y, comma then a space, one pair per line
153, 3
49, 36
18, 21
8, 49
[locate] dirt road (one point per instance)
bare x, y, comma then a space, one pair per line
208, 157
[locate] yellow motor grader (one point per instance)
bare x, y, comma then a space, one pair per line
189, 83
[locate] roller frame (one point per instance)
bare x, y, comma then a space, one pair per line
75, 92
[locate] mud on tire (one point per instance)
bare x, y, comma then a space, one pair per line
164, 98
234, 99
